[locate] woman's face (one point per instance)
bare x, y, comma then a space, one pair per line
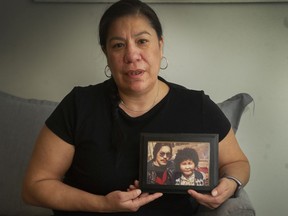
187, 167
163, 156
133, 53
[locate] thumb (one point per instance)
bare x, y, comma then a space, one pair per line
134, 193
218, 190
214, 192
221, 188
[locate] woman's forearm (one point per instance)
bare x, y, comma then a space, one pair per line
54, 194
237, 169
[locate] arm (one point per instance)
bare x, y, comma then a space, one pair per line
43, 184
232, 162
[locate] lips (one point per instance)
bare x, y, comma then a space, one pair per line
187, 172
135, 72
164, 161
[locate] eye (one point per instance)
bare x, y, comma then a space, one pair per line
191, 163
118, 45
186, 163
142, 41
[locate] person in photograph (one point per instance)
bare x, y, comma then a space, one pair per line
160, 168
86, 158
186, 162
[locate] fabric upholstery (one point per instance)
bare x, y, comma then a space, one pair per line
234, 107
20, 122
240, 206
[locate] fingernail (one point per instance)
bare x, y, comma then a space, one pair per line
138, 191
214, 193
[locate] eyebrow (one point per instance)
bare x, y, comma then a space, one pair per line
136, 35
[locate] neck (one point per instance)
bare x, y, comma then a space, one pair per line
144, 105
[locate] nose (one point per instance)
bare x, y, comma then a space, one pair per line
132, 54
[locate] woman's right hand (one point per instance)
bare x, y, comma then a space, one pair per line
130, 201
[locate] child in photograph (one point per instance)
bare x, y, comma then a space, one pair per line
186, 161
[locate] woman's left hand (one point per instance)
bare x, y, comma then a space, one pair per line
224, 190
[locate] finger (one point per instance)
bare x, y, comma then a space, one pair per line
144, 194
132, 187
225, 188
205, 199
199, 196
136, 183
215, 192
133, 194
221, 188
146, 198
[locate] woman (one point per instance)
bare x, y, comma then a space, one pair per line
87, 153
186, 161
160, 168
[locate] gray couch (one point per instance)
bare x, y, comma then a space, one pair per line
20, 122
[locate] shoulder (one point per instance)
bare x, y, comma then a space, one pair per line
91, 90
87, 95
180, 89
198, 109
85, 99
180, 93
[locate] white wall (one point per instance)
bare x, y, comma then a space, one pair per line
46, 49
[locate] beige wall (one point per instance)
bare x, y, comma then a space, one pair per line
46, 49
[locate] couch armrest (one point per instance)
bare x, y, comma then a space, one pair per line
240, 206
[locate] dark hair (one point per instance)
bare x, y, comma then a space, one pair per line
158, 146
125, 8
186, 154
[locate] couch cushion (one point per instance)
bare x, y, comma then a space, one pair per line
234, 107
240, 206
20, 121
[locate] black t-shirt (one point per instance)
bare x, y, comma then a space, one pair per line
85, 119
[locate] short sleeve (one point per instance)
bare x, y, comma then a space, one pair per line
62, 120
214, 119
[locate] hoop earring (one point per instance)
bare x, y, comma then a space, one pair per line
166, 66
106, 70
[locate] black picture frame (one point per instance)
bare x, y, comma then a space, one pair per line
206, 146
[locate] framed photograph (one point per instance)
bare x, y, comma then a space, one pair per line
174, 163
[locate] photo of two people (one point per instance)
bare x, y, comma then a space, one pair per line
178, 164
